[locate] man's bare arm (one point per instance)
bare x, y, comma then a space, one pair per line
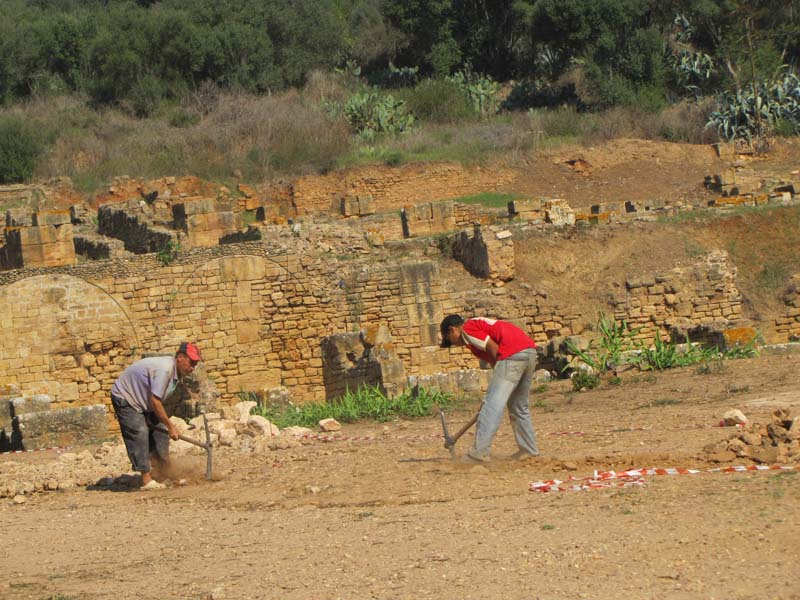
161, 414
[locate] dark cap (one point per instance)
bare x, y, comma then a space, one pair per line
448, 322
190, 350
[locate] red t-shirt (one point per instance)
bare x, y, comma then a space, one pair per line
509, 338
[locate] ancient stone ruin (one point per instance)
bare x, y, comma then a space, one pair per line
305, 289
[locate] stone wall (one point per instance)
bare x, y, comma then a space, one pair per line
392, 188
703, 296
261, 317
789, 325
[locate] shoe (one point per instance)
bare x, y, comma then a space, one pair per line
523, 455
152, 485
471, 460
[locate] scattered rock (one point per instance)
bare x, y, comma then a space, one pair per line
329, 425
20, 499
734, 417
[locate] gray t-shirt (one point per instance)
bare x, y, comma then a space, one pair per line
155, 375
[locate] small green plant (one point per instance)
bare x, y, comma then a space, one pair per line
547, 527
582, 380
615, 380
616, 339
169, 252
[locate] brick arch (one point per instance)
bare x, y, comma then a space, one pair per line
63, 336
250, 316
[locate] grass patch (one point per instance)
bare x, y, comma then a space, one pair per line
367, 402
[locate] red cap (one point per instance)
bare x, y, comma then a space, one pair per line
190, 350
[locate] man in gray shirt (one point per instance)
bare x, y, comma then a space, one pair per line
138, 399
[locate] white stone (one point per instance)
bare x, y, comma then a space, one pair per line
181, 425
542, 376
261, 426
227, 437
18, 499
734, 417
502, 235
197, 422
329, 425
242, 410
296, 431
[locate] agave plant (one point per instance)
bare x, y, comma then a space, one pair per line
754, 111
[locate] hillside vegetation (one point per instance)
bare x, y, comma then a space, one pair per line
255, 90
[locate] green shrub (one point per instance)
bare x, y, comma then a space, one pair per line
584, 380
20, 148
146, 95
180, 117
371, 113
439, 101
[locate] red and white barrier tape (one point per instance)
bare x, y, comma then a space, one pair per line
631, 477
56, 448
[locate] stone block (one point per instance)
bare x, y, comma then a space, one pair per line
349, 206
197, 222
19, 217
32, 236
366, 205
524, 205
69, 426
30, 404
242, 268
51, 217
559, 213
247, 332
195, 206
243, 311
203, 239
429, 334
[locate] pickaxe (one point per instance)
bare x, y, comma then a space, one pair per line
206, 446
450, 440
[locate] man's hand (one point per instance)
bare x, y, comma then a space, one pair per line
161, 415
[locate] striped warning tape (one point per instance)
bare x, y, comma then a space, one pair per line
56, 448
631, 477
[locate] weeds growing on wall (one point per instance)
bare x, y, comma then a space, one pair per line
169, 252
366, 402
616, 346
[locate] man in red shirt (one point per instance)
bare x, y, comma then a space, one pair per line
512, 354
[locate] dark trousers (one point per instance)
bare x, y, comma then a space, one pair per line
142, 433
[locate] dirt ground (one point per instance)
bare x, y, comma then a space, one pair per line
640, 170
393, 516
385, 513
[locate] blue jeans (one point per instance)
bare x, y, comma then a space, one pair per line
510, 386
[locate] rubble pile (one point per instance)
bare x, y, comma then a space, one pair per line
777, 442
232, 430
